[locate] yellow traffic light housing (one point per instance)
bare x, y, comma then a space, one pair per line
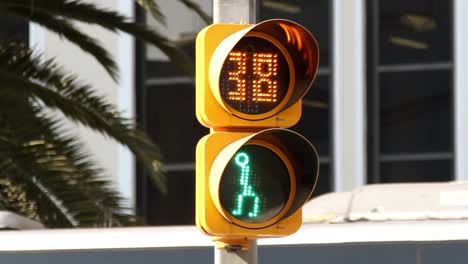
278, 54
252, 175
253, 185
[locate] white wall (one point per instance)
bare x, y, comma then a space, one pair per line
117, 161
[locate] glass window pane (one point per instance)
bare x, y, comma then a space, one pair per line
415, 31
178, 206
172, 123
314, 123
416, 111
418, 171
182, 25
14, 29
410, 89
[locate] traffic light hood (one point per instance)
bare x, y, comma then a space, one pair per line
252, 175
296, 151
296, 42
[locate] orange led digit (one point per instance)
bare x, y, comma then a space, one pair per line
240, 60
265, 66
255, 78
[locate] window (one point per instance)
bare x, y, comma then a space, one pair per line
166, 110
410, 90
14, 29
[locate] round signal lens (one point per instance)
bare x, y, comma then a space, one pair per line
255, 185
255, 76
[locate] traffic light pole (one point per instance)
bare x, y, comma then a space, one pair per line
238, 12
236, 255
235, 11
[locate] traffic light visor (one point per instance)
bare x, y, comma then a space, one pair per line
261, 179
263, 69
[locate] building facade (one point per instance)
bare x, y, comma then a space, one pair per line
387, 104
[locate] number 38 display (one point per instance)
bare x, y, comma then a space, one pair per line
252, 174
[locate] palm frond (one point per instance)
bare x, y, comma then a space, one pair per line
65, 188
65, 29
45, 83
14, 198
152, 7
43, 10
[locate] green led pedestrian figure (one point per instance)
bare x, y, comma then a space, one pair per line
247, 192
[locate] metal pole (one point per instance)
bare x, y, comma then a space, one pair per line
233, 255
235, 12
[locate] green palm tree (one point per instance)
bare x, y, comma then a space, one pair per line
45, 173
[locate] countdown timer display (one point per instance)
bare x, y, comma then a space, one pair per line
255, 76
255, 185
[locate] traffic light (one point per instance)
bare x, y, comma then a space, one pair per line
252, 174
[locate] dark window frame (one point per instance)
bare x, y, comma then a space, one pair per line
375, 159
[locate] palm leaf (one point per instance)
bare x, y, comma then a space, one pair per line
45, 82
65, 186
42, 172
45, 10
67, 30
151, 7
13, 197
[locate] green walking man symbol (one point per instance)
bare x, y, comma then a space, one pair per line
247, 191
